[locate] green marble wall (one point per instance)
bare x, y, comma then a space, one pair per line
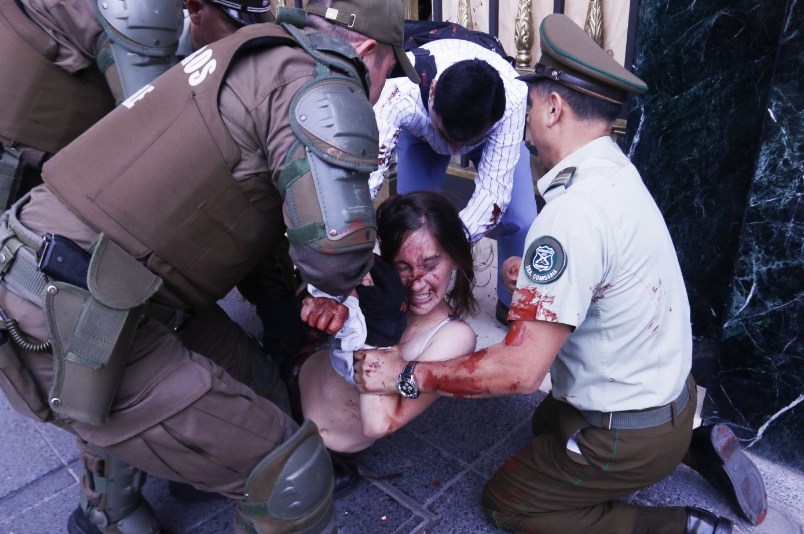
719, 140
760, 383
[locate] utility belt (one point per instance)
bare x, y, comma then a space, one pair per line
92, 303
638, 420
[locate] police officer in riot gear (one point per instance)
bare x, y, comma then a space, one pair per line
63, 69
204, 170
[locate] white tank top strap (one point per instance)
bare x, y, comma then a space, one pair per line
433, 333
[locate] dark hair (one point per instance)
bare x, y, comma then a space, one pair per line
585, 107
400, 215
469, 98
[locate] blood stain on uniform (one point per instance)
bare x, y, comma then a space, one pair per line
612, 380
599, 291
436, 483
495, 214
671, 308
530, 305
655, 329
656, 287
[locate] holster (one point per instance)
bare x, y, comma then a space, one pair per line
91, 331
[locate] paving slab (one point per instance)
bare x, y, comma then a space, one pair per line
25, 453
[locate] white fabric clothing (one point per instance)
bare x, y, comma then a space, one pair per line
400, 106
622, 289
427, 341
351, 337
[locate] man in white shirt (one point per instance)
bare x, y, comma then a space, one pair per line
476, 108
601, 303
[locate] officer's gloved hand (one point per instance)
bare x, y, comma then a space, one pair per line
384, 305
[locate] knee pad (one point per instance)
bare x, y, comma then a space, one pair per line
112, 497
290, 491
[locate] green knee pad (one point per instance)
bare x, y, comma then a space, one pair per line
290, 491
120, 508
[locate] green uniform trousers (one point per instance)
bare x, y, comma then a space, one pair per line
179, 412
546, 488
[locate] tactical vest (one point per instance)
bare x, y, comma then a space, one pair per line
180, 211
43, 106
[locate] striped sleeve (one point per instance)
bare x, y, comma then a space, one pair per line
395, 109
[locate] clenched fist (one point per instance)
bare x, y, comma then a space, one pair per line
376, 371
324, 314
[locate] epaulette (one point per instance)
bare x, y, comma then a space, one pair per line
563, 178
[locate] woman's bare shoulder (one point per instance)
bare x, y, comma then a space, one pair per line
454, 339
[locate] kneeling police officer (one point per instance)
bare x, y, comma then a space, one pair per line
112, 268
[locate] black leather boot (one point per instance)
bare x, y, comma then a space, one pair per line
717, 456
702, 522
346, 475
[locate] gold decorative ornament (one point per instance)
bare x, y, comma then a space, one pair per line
523, 34
465, 14
594, 21
412, 9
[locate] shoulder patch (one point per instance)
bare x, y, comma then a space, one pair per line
545, 260
563, 178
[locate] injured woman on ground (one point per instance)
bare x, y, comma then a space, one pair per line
424, 240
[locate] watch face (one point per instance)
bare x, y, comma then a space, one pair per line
407, 389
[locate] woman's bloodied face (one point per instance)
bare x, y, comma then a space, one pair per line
425, 270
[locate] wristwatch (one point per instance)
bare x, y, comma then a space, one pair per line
406, 384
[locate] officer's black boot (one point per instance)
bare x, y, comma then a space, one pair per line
702, 522
716, 454
345, 473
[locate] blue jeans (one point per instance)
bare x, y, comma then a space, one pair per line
420, 168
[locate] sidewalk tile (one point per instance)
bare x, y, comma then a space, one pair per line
368, 509
26, 455
423, 467
460, 508
490, 462
466, 428
36, 493
47, 517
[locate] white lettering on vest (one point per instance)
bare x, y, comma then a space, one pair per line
199, 65
139, 95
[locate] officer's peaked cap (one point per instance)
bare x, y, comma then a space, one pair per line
572, 58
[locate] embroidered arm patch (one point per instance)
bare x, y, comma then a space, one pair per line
545, 260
